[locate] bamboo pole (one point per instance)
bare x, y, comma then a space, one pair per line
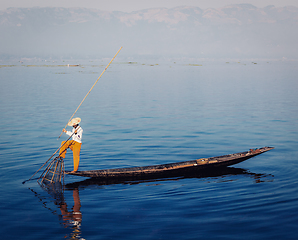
91, 89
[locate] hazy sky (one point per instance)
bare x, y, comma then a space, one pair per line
133, 5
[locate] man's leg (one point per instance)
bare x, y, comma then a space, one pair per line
63, 149
76, 149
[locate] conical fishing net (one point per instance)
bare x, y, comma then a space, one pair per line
54, 173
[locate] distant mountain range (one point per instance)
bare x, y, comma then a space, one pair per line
234, 31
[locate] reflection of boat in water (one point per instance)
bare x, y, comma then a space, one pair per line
69, 208
214, 169
172, 169
219, 174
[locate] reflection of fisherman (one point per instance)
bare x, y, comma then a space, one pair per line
74, 217
74, 144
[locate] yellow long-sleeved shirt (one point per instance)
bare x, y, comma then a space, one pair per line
77, 136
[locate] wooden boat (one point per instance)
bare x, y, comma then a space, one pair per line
202, 164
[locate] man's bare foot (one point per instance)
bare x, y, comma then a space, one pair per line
73, 171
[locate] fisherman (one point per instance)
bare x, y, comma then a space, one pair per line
74, 144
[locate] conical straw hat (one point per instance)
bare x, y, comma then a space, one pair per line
74, 121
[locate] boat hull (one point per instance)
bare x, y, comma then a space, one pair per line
164, 170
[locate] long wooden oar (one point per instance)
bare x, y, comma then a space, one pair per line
91, 89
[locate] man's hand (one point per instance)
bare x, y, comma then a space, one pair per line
64, 130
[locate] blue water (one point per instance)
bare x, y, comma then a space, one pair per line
145, 113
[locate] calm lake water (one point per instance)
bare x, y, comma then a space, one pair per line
145, 113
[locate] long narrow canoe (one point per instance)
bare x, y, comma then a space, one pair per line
202, 164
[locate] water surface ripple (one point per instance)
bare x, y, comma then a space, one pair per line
152, 113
